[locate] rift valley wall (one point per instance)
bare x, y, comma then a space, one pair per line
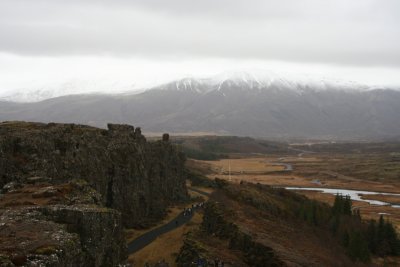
136, 177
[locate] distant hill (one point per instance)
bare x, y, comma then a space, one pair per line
239, 104
215, 147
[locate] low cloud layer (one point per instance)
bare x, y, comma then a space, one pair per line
144, 42
342, 32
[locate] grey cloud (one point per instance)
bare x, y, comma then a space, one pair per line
341, 32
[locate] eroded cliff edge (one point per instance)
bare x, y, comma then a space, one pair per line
87, 183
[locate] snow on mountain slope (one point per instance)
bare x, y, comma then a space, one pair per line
261, 80
238, 80
73, 87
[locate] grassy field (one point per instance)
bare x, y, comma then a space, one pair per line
257, 165
381, 167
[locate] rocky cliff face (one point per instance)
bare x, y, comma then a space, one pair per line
99, 229
136, 177
68, 190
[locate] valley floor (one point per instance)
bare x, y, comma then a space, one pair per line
309, 170
377, 173
305, 170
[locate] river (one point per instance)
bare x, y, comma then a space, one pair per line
354, 194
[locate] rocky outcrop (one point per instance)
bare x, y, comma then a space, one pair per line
29, 239
68, 190
58, 225
61, 236
99, 229
136, 177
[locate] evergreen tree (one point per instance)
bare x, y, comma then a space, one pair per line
357, 214
342, 205
387, 242
358, 247
345, 239
346, 210
337, 205
391, 237
334, 224
372, 236
382, 247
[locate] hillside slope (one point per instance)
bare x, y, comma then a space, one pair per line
255, 225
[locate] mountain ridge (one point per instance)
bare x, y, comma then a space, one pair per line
249, 79
262, 81
230, 107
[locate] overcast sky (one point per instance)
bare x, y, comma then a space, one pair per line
140, 43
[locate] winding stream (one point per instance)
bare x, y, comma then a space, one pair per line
354, 194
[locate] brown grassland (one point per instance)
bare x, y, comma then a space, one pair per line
378, 172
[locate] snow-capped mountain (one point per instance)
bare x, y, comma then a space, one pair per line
262, 80
238, 80
245, 104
